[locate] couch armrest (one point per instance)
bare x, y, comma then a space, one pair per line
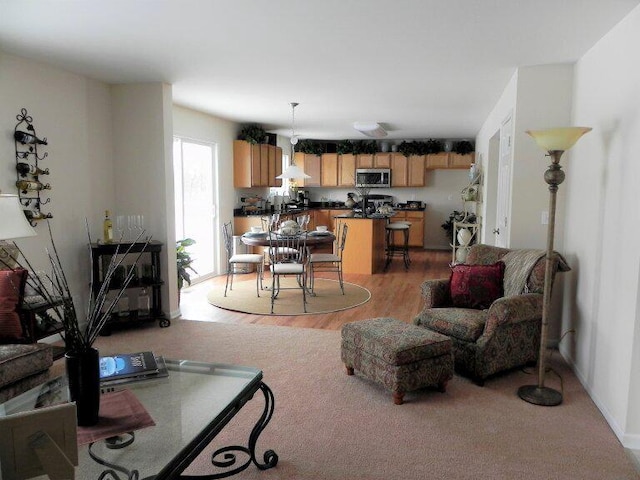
513, 309
435, 293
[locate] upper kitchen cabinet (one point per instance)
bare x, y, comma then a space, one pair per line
346, 170
311, 164
407, 171
378, 160
256, 165
329, 170
449, 160
416, 170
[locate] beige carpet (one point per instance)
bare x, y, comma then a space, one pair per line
328, 298
330, 426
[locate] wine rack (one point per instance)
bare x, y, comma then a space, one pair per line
28, 170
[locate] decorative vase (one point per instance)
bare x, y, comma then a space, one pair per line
461, 255
350, 202
83, 374
464, 236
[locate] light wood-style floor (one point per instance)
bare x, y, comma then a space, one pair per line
394, 293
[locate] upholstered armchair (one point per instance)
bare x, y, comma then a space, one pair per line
503, 334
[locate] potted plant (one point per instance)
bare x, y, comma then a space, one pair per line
463, 147
311, 147
252, 134
80, 332
184, 262
344, 147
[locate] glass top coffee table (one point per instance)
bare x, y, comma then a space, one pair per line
190, 408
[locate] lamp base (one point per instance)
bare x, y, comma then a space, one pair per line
545, 396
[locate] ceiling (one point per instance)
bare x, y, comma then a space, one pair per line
421, 68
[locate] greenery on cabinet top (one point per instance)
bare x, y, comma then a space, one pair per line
254, 134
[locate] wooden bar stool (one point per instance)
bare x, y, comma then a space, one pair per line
394, 249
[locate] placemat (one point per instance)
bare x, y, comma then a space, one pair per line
120, 412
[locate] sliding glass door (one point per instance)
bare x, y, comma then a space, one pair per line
194, 173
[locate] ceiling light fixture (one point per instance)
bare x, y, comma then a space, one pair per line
293, 171
370, 129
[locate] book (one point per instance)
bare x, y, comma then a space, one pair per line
127, 365
113, 384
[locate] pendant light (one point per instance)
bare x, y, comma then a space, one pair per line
293, 171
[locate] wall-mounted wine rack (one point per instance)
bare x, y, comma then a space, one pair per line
28, 171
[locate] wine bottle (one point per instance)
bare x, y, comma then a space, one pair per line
36, 215
25, 169
27, 138
26, 185
107, 228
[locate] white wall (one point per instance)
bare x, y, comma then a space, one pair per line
543, 101
200, 126
143, 162
74, 114
603, 225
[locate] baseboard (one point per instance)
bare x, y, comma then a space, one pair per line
627, 440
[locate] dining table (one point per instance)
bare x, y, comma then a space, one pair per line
314, 239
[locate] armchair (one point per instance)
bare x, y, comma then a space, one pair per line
503, 336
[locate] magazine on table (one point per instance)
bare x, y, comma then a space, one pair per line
111, 384
124, 365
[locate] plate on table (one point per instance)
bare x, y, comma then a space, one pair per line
255, 234
316, 233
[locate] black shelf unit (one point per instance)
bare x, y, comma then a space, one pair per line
101, 252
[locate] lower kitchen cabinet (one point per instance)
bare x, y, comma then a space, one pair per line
416, 232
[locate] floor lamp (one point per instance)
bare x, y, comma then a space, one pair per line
555, 142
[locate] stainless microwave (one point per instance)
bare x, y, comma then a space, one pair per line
373, 177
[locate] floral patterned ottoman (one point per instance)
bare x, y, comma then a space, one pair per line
400, 356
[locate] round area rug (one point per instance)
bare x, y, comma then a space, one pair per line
328, 298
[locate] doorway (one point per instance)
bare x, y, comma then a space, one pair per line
194, 166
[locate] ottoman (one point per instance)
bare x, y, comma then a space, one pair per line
400, 356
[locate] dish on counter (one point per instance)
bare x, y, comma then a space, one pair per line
254, 234
316, 233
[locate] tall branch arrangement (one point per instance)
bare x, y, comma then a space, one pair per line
77, 337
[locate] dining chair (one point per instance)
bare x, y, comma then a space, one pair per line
287, 257
329, 262
239, 258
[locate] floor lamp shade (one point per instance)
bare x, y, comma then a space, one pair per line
554, 141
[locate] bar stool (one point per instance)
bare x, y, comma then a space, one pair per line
394, 249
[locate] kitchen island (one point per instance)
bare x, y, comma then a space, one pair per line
364, 251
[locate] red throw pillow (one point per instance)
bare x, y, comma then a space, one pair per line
11, 292
476, 286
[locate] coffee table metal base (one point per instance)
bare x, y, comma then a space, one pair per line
229, 454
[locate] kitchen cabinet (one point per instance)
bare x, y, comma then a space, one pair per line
329, 170
416, 232
326, 217
311, 164
256, 165
378, 160
346, 170
382, 160
399, 170
407, 171
457, 160
449, 160
416, 171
